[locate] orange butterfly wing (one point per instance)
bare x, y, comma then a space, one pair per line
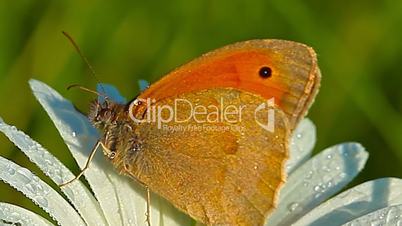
294, 81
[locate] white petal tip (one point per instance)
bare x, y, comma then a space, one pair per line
390, 215
143, 84
33, 82
111, 92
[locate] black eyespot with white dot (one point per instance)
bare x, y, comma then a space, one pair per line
265, 72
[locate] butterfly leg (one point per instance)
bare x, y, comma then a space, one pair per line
91, 156
148, 213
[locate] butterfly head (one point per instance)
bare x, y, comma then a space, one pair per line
107, 117
117, 130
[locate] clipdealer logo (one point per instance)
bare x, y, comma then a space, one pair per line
200, 114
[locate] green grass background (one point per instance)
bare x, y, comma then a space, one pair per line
359, 45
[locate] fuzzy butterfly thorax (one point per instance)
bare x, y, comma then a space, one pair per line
118, 135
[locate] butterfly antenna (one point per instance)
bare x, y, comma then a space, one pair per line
86, 90
77, 48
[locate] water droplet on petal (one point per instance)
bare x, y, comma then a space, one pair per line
42, 201
10, 171
293, 206
309, 174
25, 175
15, 215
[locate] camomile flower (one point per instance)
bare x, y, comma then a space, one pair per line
112, 199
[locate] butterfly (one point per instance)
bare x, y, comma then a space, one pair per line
212, 136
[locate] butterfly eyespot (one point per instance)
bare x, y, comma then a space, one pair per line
265, 72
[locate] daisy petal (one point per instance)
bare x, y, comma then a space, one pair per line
355, 202
301, 144
316, 180
143, 84
80, 138
39, 192
111, 92
15, 215
391, 215
78, 194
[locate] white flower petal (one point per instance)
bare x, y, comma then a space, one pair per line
316, 180
111, 92
391, 215
15, 215
355, 202
144, 84
80, 138
301, 144
39, 192
78, 194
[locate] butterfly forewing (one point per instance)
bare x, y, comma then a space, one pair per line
293, 81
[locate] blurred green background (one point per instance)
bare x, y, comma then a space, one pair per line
359, 45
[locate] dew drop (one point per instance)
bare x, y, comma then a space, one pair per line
30, 188
326, 169
10, 171
293, 206
42, 201
74, 134
345, 153
25, 175
15, 215
299, 136
309, 174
